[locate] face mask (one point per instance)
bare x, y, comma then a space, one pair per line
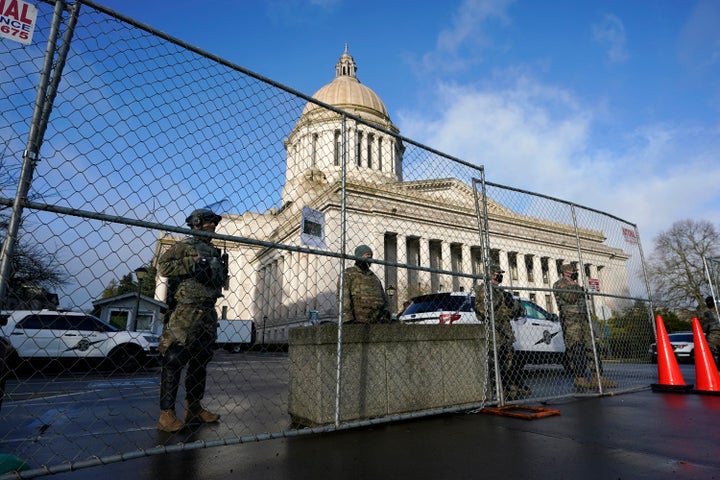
363, 264
574, 276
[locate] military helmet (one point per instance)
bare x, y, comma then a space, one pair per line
495, 268
568, 267
361, 250
202, 215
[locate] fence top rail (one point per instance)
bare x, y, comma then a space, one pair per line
267, 80
548, 197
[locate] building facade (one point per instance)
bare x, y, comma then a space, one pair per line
430, 224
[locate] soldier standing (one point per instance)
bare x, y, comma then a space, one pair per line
195, 266
570, 298
364, 298
711, 327
505, 308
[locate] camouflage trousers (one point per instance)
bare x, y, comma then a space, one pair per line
187, 323
187, 340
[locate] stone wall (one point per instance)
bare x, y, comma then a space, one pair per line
386, 370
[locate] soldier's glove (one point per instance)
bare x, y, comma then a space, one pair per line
203, 270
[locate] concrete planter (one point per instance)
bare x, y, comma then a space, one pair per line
386, 370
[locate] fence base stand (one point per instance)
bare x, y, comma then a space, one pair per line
520, 411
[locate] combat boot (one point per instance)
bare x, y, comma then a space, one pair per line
169, 422
195, 411
605, 382
582, 385
511, 393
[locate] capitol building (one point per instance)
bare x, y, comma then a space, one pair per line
427, 223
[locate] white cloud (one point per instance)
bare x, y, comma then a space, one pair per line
541, 138
466, 30
611, 34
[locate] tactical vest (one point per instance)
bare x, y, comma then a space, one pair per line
191, 289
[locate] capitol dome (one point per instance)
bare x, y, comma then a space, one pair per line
347, 93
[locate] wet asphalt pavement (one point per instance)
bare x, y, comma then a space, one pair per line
638, 435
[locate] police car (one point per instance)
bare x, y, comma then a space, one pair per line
538, 334
54, 334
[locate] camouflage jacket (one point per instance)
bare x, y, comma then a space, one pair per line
196, 266
710, 322
505, 308
364, 299
573, 312
571, 302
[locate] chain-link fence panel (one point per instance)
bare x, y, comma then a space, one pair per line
578, 275
121, 144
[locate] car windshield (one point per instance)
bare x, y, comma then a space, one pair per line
680, 337
533, 310
440, 303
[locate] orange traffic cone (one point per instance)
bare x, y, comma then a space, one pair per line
669, 377
707, 378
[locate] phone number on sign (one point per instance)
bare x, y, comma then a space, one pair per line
15, 32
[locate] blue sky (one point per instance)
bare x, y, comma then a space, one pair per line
611, 104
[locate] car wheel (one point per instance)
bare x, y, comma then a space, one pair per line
236, 348
126, 358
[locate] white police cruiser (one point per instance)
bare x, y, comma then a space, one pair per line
56, 334
538, 334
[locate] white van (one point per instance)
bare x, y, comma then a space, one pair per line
235, 335
538, 334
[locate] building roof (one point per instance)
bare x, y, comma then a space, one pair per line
347, 93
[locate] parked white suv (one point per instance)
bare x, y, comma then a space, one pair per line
54, 334
538, 334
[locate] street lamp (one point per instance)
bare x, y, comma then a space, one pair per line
391, 291
140, 274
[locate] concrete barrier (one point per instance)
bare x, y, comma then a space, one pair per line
386, 369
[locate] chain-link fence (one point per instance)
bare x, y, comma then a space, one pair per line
138, 129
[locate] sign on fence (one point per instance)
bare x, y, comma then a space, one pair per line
630, 236
17, 20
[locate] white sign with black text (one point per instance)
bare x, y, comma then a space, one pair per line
312, 230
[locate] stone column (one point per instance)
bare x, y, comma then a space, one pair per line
402, 277
445, 263
466, 282
503, 258
537, 269
423, 275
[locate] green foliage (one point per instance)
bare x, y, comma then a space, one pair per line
128, 284
672, 322
631, 333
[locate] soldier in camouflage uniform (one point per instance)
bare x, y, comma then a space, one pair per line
570, 298
364, 298
711, 327
195, 268
505, 308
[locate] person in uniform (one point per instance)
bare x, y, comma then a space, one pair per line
195, 273
711, 327
364, 298
570, 298
505, 308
